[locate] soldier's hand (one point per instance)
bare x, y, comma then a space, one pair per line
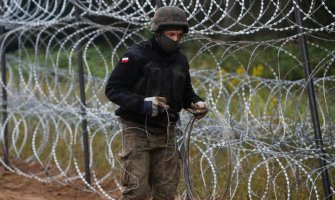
199, 109
162, 103
152, 106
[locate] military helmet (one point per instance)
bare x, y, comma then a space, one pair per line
169, 16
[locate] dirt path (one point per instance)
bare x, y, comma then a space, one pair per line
16, 187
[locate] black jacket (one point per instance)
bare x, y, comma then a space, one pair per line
146, 70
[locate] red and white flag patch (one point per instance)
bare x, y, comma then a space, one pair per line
125, 60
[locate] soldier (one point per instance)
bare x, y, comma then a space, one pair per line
151, 84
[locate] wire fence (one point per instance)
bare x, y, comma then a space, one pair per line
270, 134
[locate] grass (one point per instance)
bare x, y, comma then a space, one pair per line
279, 59
273, 177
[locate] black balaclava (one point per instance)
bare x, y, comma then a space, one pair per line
166, 43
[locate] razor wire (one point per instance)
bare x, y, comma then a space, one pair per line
257, 143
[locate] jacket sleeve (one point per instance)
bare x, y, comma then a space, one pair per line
122, 80
189, 95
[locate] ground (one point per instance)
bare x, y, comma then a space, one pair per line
17, 187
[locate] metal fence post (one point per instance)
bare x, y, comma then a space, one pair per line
83, 103
4, 92
313, 104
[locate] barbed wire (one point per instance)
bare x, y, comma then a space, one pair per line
258, 142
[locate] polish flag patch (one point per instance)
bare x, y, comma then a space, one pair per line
125, 60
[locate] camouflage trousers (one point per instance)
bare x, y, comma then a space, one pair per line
150, 162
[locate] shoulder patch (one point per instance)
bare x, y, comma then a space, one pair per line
125, 60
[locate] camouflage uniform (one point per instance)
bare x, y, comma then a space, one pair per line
150, 162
